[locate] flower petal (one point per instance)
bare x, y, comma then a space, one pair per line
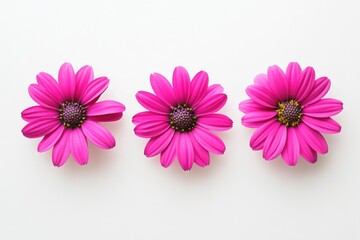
181, 84
167, 156
151, 129
79, 146
214, 89
163, 89
157, 144
261, 95
38, 112
211, 104
98, 135
40, 128
185, 151
257, 118
94, 89
258, 138
293, 72
83, 77
61, 150
291, 150
152, 102
201, 155
262, 79
209, 141
217, 122
275, 142
313, 138
321, 87
305, 150
105, 111
40, 95
67, 81
278, 83
50, 139
51, 85
149, 117
324, 108
250, 105
306, 84
199, 87
325, 125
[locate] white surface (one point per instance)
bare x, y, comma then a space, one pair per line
121, 194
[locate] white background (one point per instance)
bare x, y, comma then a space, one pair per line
121, 194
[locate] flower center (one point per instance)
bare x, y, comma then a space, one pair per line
182, 118
289, 113
72, 114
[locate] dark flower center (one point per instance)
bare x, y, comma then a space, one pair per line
289, 113
72, 114
182, 118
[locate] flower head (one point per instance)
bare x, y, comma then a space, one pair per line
181, 117
290, 113
68, 113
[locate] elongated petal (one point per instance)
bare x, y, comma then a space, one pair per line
42, 96
152, 102
79, 146
291, 150
38, 112
185, 152
250, 105
278, 83
83, 77
199, 87
275, 142
325, 125
293, 72
149, 117
262, 96
163, 89
306, 84
324, 108
262, 79
67, 81
51, 85
40, 128
167, 157
50, 139
257, 118
157, 144
151, 129
94, 90
321, 87
217, 122
61, 150
181, 84
211, 104
313, 138
108, 107
209, 141
214, 89
201, 155
305, 150
98, 135
258, 138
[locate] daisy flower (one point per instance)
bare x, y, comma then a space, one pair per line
181, 117
290, 113
68, 113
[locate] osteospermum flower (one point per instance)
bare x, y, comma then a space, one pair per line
181, 118
68, 113
290, 113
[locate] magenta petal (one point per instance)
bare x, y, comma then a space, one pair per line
199, 88
42, 96
262, 79
201, 155
293, 72
214, 90
258, 138
278, 83
157, 144
79, 146
217, 122
40, 128
83, 77
185, 151
313, 138
50, 139
324, 108
261, 95
321, 87
275, 142
151, 129
61, 150
98, 135
49, 83
94, 89
209, 141
167, 157
38, 112
305, 150
105, 111
149, 117
306, 84
291, 150
211, 104
163, 89
67, 81
152, 102
181, 84
250, 105
257, 118
325, 125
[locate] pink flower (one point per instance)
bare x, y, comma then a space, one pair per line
68, 113
181, 117
289, 113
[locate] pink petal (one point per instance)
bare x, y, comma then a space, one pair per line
262, 79
106, 118
214, 89
43, 97
211, 104
83, 77
51, 85
305, 150
258, 138
257, 118
185, 151
324, 108
79, 146
313, 138
157, 144
163, 89
181, 84
105, 111
278, 83
94, 90
152, 102
61, 149
50, 139
167, 157
261, 95
38, 112
151, 129
67, 81
321, 87
325, 125
199, 88
209, 141
250, 105
149, 117
98, 135
201, 156
291, 150
306, 84
275, 142
293, 73
40, 128
217, 122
